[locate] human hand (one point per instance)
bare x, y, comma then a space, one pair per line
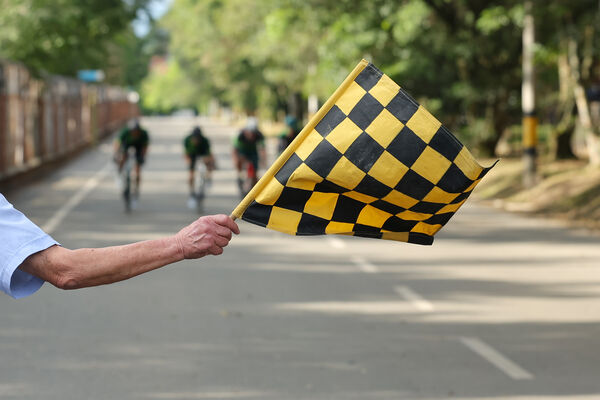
206, 235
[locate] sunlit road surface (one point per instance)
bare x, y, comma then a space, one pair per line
500, 307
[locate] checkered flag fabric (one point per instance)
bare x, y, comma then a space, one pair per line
372, 163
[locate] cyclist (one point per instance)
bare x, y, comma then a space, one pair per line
197, 145
137, 137
292, 130
249, 148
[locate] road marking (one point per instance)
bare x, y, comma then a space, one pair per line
74, 201
493, 356
364, 265
413, 298
336, 243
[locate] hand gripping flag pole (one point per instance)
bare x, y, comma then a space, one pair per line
372, 162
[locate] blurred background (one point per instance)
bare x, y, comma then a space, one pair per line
506, 304
463, 60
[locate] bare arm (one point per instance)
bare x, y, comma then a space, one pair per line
73, 269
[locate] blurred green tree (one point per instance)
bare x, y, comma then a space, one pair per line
460, 58
64, 36
570, 50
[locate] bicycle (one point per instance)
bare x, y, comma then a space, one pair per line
126, 191
200, 183
248, 180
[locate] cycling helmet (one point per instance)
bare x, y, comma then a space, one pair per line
251, 124
197, 131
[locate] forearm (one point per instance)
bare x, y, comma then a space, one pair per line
72, 269
92, 267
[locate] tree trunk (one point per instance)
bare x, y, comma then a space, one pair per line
500, 121
295, 105
564, 129
563, 139
583, 106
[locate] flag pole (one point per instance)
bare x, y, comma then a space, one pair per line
287, 153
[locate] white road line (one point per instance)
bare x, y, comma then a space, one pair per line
413, 298
336, 243
493, 356
364, 265
74, 201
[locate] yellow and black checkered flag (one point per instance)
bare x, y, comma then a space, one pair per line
372, 162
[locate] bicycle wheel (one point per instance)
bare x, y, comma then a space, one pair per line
241, 186
127, 188
200, 184
200, 187
127, 193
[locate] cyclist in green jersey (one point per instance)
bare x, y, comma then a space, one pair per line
249, 147
196, 146
136, 137
291, 131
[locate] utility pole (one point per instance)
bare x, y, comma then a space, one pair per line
528, 98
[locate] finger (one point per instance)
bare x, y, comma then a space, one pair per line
223, 231
216, 250
224, 220
233, 226
221, 241
205, 225
220, 219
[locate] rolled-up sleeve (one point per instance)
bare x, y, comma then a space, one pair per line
19, 238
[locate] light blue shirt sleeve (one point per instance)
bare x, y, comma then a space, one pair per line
19, 238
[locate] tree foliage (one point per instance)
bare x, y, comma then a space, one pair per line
64, 36
461, 58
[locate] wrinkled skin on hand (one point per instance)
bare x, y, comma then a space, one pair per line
206, 235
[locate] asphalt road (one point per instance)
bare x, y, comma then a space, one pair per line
500, 307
